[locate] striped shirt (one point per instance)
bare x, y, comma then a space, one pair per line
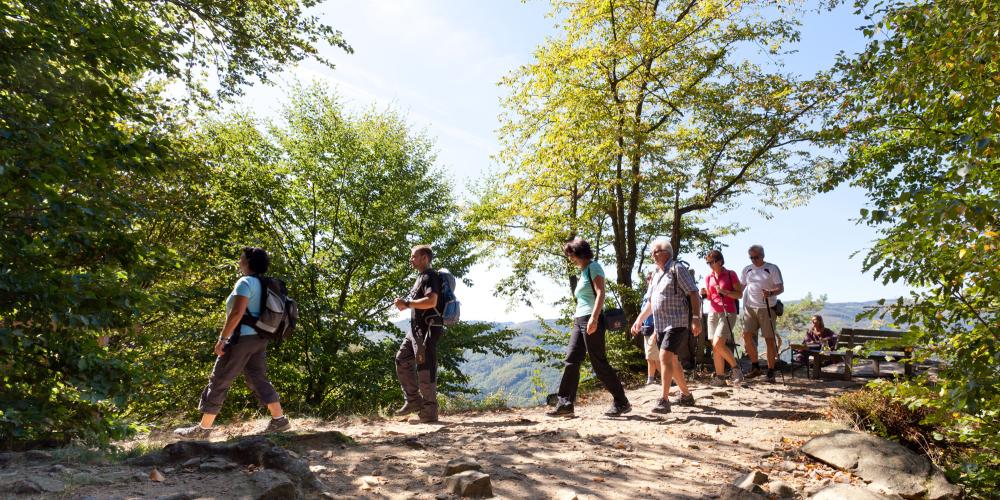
670, 308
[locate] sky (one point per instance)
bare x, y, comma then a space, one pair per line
439, 63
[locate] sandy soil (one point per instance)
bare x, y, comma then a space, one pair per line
690, 453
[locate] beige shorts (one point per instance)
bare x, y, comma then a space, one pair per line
757, 319
652, 348
721, 325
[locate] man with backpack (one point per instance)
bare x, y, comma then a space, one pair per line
675, 306
257, 311
760, 283
416, 360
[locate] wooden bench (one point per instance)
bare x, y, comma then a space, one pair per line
850, 338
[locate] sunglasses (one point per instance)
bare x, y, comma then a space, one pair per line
756, 257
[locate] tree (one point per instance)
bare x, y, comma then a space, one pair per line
920, 126
640, 116
339, 199
83, 115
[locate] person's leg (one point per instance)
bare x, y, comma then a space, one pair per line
256, 375
427, 374
406, 373
767, 328
575, 352
652, 358
712, 332
597, 351
227, 367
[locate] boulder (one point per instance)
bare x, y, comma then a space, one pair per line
751, 480
273, 485
216, 464
887, 466
36, 484
781, 489
846, 492
470, 483
938, 488
731, 492
461, 464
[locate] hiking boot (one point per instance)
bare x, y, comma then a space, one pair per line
770, 375
685, 400
754, 372
408, 408
737, 377
663, 406
280, 424
617, 409
193, 432
563, 410
717, 381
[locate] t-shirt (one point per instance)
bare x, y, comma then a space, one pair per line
427, 282
717, 302
247, 286
586, 299
670, 302
756, 280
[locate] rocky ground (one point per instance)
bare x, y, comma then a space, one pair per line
694, 452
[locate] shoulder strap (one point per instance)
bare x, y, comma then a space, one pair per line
590, 280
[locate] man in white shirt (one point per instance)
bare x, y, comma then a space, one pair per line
760, 282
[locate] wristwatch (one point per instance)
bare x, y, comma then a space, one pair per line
406, 302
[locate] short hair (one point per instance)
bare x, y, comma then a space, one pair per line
664, 244
758, 248
579, 248
257, 259
424, 250
716, 255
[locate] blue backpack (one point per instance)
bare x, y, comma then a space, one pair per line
448, 306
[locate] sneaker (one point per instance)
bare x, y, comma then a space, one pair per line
617, 409
280, 424
754, 372
737, 377
717, 381
685, 400
564, 410
663, 406
408, 408
193, 432
770, 375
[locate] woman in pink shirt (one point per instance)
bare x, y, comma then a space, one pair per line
722, 287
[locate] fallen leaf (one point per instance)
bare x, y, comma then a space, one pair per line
598, 479
156, 475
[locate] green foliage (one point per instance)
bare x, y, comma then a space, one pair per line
635, 119
794, 323
83, 123
338, 199
872, 410
921, 126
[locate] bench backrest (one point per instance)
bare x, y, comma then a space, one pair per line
850, 337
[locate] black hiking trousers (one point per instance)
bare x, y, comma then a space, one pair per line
581, 344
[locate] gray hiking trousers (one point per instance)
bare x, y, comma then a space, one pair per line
416, 368
247, 356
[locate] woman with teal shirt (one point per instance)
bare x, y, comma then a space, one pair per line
587, 337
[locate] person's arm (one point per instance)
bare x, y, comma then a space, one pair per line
778, 287
595, 315
646, 311
696, 316
232, 322
428, 302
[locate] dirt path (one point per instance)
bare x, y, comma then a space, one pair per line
690, 453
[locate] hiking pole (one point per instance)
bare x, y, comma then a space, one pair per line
774, 330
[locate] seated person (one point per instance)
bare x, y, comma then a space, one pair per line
817, 337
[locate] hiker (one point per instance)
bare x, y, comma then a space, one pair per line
675, 306
760, 283
721, 290
587, 336
240, 350
416, 360
817, 337
649, 342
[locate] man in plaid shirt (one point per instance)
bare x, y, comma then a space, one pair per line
669, 292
